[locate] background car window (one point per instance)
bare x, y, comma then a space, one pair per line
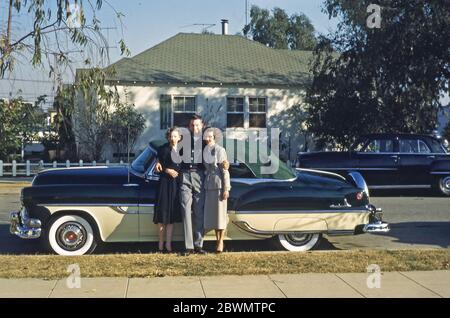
436, 146
413, 146
423, 148
379, 146
359, 145
240, 170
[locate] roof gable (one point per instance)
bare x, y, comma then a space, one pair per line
214, 59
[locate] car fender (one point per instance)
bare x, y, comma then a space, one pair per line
300, 224
440, 166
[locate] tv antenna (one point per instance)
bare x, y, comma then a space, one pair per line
205, 26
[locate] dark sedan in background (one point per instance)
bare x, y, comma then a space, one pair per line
389, 161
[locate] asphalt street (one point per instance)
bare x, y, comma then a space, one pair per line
418, 221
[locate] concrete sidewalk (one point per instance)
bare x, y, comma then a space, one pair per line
432, 284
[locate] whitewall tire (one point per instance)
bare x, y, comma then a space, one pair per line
71, 235
298, 242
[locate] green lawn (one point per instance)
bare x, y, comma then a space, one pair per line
158, 265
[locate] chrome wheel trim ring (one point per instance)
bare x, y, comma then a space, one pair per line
298, 242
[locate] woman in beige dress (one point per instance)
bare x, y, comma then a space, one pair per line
217, 186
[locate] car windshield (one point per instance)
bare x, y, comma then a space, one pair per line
143, 161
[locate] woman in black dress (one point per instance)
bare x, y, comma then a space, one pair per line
167, 211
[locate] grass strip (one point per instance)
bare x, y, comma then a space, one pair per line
160, 265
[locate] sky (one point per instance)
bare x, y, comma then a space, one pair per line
144, 24
147, 23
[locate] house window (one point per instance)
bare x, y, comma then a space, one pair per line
257, 112
183, 109
165, 107
235, 112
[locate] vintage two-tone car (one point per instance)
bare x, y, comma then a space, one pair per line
389, 161
72, 210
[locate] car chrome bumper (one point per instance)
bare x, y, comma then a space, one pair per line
378, 227
376, 224
24, 228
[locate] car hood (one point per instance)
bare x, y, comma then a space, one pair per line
86, 175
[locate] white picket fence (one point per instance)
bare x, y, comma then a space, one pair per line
29, 169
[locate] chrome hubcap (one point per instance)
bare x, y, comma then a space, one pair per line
299, 239
71, 236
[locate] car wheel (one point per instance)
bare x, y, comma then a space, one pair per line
444, 185
71, 235
299, 242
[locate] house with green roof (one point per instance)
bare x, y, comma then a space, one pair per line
233, 82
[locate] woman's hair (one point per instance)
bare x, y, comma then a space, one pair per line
171, 130
216, 132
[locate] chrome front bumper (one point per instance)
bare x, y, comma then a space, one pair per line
376, 224
24, 227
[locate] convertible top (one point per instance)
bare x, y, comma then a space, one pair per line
284, 172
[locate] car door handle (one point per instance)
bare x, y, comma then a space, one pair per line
396, 158
431, 157
131, 185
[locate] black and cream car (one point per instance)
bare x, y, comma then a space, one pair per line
74, 209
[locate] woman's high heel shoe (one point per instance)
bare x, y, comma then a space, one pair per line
169, 250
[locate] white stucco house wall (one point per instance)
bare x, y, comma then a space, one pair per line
232, 82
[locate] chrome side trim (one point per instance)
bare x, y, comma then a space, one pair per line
439, 172
248, 228
320, 170
340, 232
96, 204
359, 210
252, 181
419, 186
120, 208
363, 169
346, 205
91, 204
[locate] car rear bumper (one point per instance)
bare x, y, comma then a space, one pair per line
24, 227
376, 224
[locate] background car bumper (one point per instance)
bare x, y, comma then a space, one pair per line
24, 228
